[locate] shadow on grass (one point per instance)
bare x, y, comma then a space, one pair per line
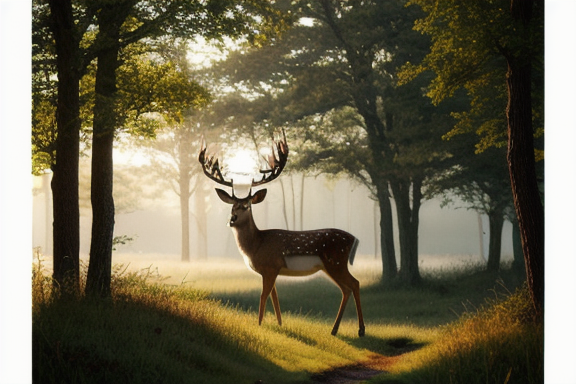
390, 347
439, 300
91, 341
317, 297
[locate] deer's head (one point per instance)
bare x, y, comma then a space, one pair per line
242, 207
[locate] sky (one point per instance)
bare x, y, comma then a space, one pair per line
16, 184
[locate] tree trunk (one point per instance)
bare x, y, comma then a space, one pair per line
518, 264
202, 223
66, 211
284, 211
521, 162
185, 218
100, 268
294, 228
389, 265
185, 213
408, 222
302, 184
496, 222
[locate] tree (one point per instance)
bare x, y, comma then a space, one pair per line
521, 160
66, 230
180, 144
111, 17
481, 181
469, 40
144, 86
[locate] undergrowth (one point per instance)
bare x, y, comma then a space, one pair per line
151, 332
148, 332
501, 342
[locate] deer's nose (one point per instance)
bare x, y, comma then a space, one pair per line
232, 220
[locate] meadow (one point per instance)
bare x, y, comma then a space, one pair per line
171, 322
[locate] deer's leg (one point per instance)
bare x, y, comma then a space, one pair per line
345, 296
347, 284
276, 304
356, 292
353, 284
338, 276
268, 281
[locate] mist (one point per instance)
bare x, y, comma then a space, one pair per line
447, 233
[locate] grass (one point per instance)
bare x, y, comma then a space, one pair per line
201, 327
500, 343
153, 333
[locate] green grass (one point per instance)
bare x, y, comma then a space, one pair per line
500, 343
441, 299
153, 333
200, 326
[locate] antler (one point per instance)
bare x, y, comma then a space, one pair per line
211, 167
276, 161
276, 164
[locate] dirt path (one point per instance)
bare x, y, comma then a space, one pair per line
375, 365
356, 373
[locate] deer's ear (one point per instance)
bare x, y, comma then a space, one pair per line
259, 196
224, 196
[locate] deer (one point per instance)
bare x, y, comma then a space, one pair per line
277, 252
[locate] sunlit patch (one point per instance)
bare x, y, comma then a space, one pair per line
242, 162
132, 158
241, 166
306, 21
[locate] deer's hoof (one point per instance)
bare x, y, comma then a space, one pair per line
361, 332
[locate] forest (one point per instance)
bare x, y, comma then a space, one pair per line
409, 100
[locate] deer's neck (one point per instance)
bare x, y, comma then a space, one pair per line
248, 237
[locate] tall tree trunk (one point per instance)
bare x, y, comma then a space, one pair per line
202, 223
185, 160
302, 184
521, 162
184, 193
408, 222
185, 212
105, 120
518, 264
389, 265
284, 211
66, 225
294, 227
496, 222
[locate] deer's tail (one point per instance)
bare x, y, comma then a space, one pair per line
352, 253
